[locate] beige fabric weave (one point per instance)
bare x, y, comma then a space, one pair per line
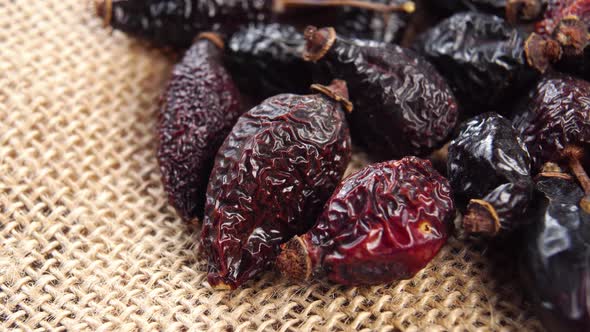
88, 242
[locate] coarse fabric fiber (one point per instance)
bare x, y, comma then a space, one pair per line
89, 243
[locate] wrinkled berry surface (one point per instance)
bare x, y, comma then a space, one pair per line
199, 107
555, 114
555, 264
271, 178
265, 60
383, 223
489, 161
402, 105
482, 56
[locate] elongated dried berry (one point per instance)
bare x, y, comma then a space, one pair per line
383, 223
199, 108
482, 56
489, 170
555, 267
266, 60
402, 105
177, 22
271, 178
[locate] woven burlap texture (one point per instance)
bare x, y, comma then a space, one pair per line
88, 241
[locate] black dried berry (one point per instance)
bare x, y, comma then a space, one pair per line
199, 107
555, 262
402, 105
271, 178
489, 170
483, 58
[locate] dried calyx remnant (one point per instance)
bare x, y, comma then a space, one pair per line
176, 22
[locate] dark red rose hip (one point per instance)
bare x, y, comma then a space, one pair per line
199, 107
271, 178
489, 168
383, 223
176, 22
555, 260
402, 105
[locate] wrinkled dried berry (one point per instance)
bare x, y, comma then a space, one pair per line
402, 105
177, 22
199, 108
372, 25
555, 267
482, 56
489, 170
513, 10
260, 56
383, 223
271, 178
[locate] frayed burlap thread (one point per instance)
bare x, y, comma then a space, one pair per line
88, 242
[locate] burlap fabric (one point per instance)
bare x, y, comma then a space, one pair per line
88, 242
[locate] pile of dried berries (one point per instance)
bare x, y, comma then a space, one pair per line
267, 182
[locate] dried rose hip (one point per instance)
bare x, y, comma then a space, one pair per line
176, 22
372, 25
555, 124
402, 105
555, 262
383, 223
489, 170
513, 10
271, 178
259, 56
482, 56
199, 108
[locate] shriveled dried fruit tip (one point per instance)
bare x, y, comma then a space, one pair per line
571, 33
524, 10
541, 52
213, 37
318, 42
573, 154
294, 261
104, 10
481, 218
337, 90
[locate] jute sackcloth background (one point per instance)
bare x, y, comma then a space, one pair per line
88, 241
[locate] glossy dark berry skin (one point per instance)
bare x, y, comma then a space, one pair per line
482, 57
402, 105
198, 109
371, 25
555, 262
177, 22
265, 60
555, 114
488, 161
271, 178
383, 223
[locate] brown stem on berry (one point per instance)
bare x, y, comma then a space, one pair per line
573, 154
541, 52
294, 261
481, 218
213, 37
104, 10
279, 6
318, 42
572, 34
523, 10
337, 91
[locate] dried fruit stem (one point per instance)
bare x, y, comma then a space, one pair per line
573, 154
409, 7
213, 37
294, 260
481, 218
104, 9
337, 91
